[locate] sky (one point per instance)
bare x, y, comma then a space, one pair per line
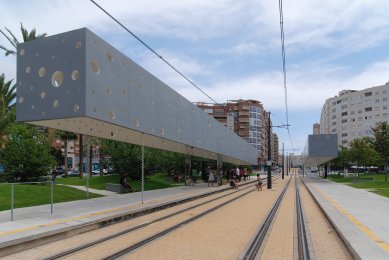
232, 49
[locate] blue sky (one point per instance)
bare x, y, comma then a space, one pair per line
232, 49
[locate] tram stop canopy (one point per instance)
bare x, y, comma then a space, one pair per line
320, 149
77, 82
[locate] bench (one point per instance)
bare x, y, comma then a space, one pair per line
114, 187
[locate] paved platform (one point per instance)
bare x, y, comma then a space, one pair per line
68, 218
360, 216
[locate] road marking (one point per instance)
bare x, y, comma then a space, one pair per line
355, 221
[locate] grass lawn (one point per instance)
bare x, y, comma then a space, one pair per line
35, 194
156, 181
377, 185
32, 195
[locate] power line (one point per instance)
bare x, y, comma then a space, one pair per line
152, 50
284, 66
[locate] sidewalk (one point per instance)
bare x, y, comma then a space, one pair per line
100, 192
360, 216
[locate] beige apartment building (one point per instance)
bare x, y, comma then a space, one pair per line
249, 120
353, 114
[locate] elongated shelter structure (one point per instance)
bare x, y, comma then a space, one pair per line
77, 82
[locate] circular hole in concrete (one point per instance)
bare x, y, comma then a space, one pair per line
75, 75
21, 100
76, 108
32, 107
136, 121
42, 72
55, 103
162, 131
95, 66
112, 114
57, 79
43, 95
78, 45
22, 52
110, 57
28, 69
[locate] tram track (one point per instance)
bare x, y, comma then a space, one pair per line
96, 242
132, 245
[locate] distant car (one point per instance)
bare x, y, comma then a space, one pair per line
71, 173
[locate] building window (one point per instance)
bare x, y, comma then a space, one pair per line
344, 141
333, 123
377, 100
359, 111
344, 134
385, 107
385, 99
384, 91
368, 94
352, 112
344, 114
368, 109
338, 102
344, 121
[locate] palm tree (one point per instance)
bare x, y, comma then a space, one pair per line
27, 36
7, 93
7, 108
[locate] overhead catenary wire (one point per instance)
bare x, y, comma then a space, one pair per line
284, 67
153, 51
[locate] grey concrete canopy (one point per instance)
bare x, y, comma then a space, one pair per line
75, 81
320, 149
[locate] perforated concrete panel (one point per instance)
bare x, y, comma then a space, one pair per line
320, 149
77, 82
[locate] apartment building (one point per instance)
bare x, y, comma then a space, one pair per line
353, 114
275, 148
246, 118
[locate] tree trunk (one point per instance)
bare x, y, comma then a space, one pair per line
66, 157
81, 156
90, 160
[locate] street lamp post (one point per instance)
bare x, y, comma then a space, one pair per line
283, 162
269, 183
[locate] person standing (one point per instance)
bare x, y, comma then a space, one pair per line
237, 173
211, 177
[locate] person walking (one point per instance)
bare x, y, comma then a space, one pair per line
126, 187
259, 183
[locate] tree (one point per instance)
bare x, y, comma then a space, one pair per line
27, 36
7, 98
381, 143
26, 155
124, 157
362, 153
66, 137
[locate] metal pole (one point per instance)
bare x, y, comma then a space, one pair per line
283, 162
52, 197
12, 201
269, 184
88, 169
143, 166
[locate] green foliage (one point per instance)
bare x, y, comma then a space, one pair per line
34, 195
26, 155
65, 137
381, 142
124, 157
27, 36
7, 93
362, 153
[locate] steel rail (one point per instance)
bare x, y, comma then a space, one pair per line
303, 248
261, 234
129, 230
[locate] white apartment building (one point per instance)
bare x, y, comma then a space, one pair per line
353, 113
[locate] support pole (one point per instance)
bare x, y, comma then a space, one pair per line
143, 166
283, 162
52, 197
12, 201
269, 184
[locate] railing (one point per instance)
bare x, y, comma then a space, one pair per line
22, 183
